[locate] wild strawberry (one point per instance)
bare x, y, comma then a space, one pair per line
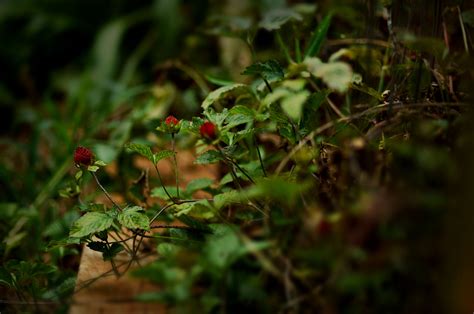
83, 156
208, 130
171, 121
170, 125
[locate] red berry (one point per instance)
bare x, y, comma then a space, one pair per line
83, 156
208, 130
171, 121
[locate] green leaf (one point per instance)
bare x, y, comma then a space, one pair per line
198, 184
92, 168
275, 19
112, 251
217, 81
90, 223
278, 189
292, 105
134, 218
222, 249
310, 118
160, 192
162, 155
318, 37
361, 87
468, 17
194, 223
78, 175
97, 246
199, 209
167, 249
208, 157
141, 149
269, 70
226, 198
235, 91
337, 75
100, 163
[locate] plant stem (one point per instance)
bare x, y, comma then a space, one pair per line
259, 156
267, 84
283, 46
297, 50
176, 171
463, 30
105, 191
161, 183
114, 267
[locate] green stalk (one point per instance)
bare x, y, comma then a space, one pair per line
176, 171
283, 47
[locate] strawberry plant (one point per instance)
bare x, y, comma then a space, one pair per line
327, 140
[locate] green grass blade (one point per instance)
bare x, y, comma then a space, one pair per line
318, 37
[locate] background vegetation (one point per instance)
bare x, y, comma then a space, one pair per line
362, 157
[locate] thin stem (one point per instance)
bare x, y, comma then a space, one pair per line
168, 206
233, 163
114, 267
105, 191
463, 30
283, 46
242, 170
267, 84
259, 156
176, 171
297, 50
121, 240
161, 182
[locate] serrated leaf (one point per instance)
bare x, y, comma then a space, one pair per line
90, 223
269, 70
234, 90
237, 119
162, 155
141, 149
134, 218
242, 110
208, 157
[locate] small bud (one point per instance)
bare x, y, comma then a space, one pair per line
83, 156
170, 125
208, 130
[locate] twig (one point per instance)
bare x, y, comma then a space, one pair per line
161, 182
105, 191
175, 164
463, 30
259, 156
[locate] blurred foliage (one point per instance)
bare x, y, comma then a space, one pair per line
347, 123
